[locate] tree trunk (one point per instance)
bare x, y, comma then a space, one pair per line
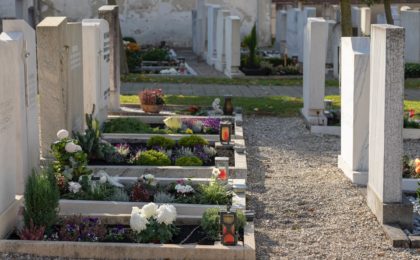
346, 26
388, 13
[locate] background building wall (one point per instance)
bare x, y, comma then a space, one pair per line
151, 21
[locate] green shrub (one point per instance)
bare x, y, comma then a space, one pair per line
214, 194
126, 125
210, 222
154, 158
156, 54
91, 141
119, 194
161, 141
192, 140
412, 70
250, 41
41, 200
188, 161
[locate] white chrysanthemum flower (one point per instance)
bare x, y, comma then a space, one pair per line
74, 187
166, 214
149, 210
216, 172
70, 147
184, 188
103, 179
63, 133
149, 177
138, 222
78, 148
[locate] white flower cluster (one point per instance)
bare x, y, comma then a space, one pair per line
216, 172
63, 133
148, 179
184, 188
72, 147
74, 187
138, 222
165, 214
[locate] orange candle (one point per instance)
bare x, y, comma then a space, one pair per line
225, 134
223, 175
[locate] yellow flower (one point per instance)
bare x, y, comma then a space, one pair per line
189, 131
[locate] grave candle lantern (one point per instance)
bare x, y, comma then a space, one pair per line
227, 222
222, 164
225, 132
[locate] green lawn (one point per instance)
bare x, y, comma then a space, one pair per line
276, 106
293, 81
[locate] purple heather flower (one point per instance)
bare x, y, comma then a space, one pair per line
212, 123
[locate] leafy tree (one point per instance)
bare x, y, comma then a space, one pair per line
346, 26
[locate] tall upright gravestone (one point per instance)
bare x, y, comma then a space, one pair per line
233, 46
355, 80
110, 14
60, 77
12, 85
212, 12
220, 63
96, 58
410, 20
384, 193
28, 124
315, 52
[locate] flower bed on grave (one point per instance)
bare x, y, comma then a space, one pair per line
152, 223
152, 60
170, 125
158, 224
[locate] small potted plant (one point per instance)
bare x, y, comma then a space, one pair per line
151, 100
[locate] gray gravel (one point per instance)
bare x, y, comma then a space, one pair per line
305, 207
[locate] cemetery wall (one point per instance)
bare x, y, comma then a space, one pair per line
151, 21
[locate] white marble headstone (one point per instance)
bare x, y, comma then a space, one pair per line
410, 20
281, 30
28, 104
96, 57
12, 86
213, 11
355, 80
315, 53
220, 48
233, 46
302, 21
292, 32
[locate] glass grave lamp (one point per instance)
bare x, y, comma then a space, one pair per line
227, 222
222, 164
225, 132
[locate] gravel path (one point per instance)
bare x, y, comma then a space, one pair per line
305, 207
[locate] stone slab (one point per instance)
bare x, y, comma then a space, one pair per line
396, 236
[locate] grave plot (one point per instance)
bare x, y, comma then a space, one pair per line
200, 204
160, 60
319, 114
